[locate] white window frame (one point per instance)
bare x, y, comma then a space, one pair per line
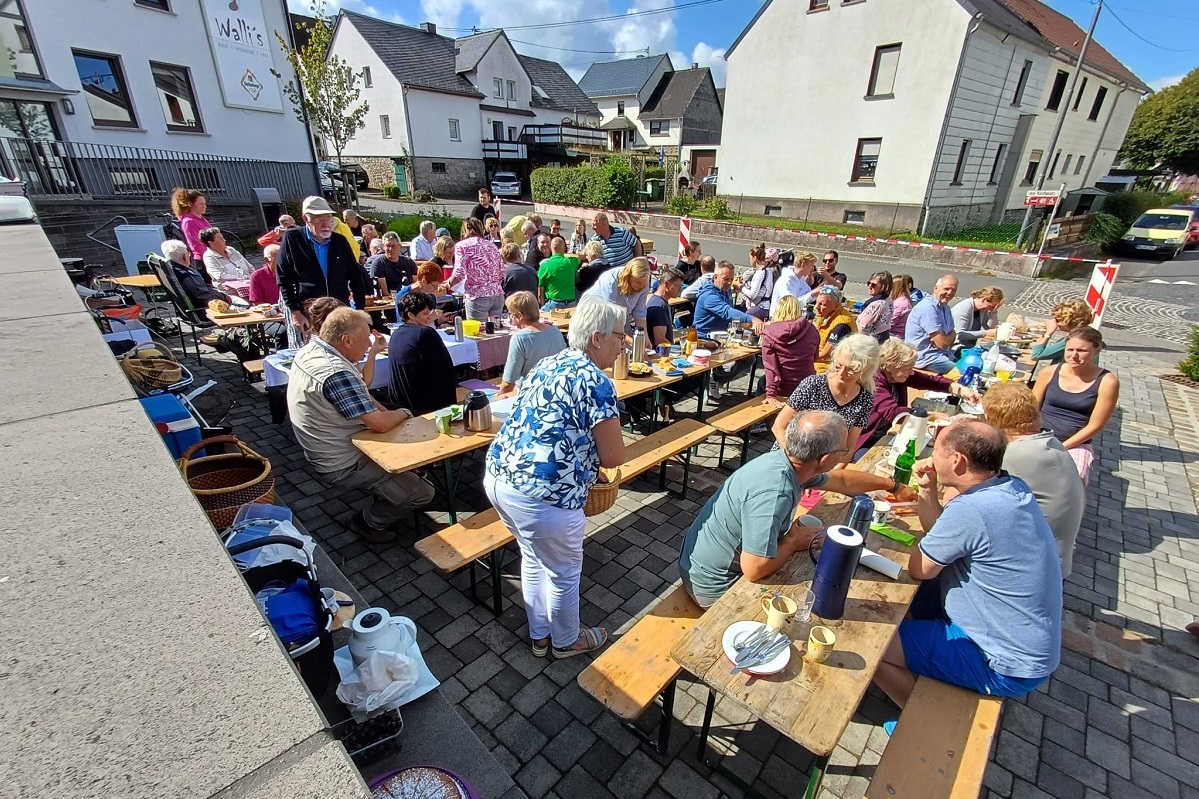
385, 126
959, 169
498, 84
875, 86
367, 80
511, 90
662, 125
455, 130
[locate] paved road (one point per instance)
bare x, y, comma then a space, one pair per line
1175, 282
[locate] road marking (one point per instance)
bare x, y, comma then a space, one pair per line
1161, 282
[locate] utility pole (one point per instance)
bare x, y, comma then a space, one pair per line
1061, 120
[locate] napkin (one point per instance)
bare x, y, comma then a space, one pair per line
876, 562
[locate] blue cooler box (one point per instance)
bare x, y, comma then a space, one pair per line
178, 428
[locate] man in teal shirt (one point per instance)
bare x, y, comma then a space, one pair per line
748, 527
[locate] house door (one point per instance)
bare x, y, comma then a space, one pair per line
401, 175
497, 131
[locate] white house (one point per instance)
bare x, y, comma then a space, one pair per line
649, 105
461, 109
911, 116
144, 95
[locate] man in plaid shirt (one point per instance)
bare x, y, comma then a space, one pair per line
328, 402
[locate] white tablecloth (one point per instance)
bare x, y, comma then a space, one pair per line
461, 352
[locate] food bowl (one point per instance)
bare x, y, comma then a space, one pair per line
637, 369
701, 357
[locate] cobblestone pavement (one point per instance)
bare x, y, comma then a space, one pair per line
1147, 317
1119, 718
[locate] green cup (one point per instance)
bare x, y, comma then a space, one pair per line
442, 418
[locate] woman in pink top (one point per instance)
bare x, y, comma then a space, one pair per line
901, 303
478, 262
189, 206
264, 283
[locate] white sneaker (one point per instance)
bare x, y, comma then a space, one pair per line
714, 391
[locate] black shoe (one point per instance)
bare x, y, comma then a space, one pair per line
357, 523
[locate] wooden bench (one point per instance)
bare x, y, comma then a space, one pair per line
252, 370
659, 447
738, 420
637, 668
940, 747
478, 541
481, 537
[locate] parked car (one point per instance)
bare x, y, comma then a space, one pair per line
1163, 232
1193, 238
333, 188
707, 186
354, 171
505, 184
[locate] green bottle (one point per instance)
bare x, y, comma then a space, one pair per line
904, 464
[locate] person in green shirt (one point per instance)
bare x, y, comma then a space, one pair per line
556, 277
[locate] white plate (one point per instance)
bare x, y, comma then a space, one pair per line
740, 631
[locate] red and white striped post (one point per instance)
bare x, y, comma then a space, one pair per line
1102, 278
498, 217
684, 235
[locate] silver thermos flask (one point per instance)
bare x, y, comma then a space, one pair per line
458, 334
861, 514
639, 346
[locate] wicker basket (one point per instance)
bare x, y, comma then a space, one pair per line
223, 483
151, 367
603, 495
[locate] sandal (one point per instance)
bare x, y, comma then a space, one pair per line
541, 650
593, 637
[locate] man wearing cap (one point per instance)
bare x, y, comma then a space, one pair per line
315, 263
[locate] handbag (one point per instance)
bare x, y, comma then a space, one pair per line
151, 367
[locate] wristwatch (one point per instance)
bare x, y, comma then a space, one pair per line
895, 487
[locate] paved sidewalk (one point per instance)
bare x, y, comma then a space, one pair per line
1119, 718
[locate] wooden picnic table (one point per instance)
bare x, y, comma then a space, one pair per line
136, 281
810, 703
245, 319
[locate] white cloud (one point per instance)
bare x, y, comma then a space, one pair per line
443, 13
1161, 83
713, 58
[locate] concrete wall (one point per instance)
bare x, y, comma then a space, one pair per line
67, 224
139, 35
879, 216
136, 663
462, 176
793, 115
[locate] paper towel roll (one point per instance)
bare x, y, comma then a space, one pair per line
875, 561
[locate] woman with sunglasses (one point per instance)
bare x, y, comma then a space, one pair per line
875, 317
847, 389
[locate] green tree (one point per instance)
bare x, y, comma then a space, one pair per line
326, 97
1165, 130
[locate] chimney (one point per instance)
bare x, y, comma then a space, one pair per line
695, 65
428, 27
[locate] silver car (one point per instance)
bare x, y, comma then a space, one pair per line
505, 184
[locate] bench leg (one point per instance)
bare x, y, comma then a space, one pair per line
686, 473
702, 752
450, 490
662, 476
720, 457
497, 594
744, 446
815, 777
662, 741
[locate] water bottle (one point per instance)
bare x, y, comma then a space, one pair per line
990, 359
458, 334
861, 514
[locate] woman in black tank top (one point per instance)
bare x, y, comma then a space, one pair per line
1078, 397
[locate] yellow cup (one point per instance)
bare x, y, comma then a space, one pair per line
780, 611
820, 644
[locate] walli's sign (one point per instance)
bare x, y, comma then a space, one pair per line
241, 48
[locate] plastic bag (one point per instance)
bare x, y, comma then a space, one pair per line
378, 684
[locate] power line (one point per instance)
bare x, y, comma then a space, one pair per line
1154, 13
1146, 41
569, 50
608, 18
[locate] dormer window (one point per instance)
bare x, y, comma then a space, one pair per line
620, 108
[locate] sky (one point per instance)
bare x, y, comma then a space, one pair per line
1153, 38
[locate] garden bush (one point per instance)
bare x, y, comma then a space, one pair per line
1105, 230
682, 205
611, 186
1128, 205
392, 191
716, 208
1190, 367
408, 227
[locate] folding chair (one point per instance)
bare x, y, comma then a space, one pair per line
185, 311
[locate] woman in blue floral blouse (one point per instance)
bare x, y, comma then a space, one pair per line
543, 463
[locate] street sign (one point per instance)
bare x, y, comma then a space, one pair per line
1102, 278
1042, 199
1054, 231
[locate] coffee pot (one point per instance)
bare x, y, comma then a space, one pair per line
476, 412
373, 631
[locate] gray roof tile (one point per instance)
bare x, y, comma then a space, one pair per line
674, 94
560, 89
415, 58
627, 76
471, 49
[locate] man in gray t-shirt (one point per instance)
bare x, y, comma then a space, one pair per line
1039, 459
989, 615
748, 528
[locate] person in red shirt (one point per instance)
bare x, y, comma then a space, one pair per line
276, 235
789, 346
264, 285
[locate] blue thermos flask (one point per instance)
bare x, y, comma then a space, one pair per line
834, 569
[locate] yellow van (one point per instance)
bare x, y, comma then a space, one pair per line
1159, 232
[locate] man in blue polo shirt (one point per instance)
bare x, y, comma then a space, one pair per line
989, 614
930, 327
620, 246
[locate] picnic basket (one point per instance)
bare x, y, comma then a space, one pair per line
603, 495
151, 367
223, 483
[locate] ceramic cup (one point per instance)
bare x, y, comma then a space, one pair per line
820, 644
442, 418
329, 599
780, 611
882, 511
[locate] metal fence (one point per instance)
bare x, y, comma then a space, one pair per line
103, 171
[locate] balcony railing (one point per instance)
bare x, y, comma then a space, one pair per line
504, 150
564, 136
76, 169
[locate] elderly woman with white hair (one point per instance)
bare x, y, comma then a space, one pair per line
847, 389
543, 463
188, 277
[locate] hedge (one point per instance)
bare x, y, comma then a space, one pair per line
1128, 205
612, 185
408, 227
